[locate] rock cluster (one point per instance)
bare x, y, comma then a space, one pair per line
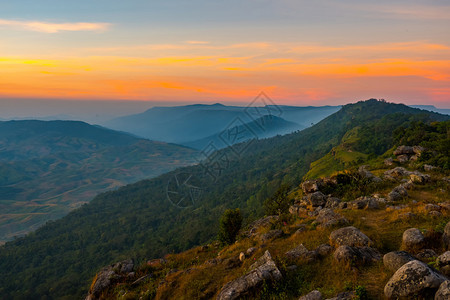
408, 153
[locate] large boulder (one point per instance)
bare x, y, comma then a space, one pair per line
443, 262
107, 276
356, 256
327, 218
414, 278
349, 236
301, 252
443, 292
310, 186
314, 295
413, 239
396, 259
317, 199
263, 270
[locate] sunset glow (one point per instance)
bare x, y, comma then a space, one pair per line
97, 60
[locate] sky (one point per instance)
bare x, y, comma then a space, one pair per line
203, 51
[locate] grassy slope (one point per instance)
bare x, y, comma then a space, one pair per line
138, 221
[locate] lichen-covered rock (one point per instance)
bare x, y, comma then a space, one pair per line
443, 262
333, 202
317, 199
419, 178
314, 295
301, 252
413, 239
431, 207
324, 250
327, 218
349, 236
443, 292
403, 158
107, 276
310, 186
426, 254
394, 196
414, 278
356, 256
396, 259
263, 270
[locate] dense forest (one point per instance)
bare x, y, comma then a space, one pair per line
140, 221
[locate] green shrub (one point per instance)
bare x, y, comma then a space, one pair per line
230, 224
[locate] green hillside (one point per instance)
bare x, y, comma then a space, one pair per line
48, 169
138, 220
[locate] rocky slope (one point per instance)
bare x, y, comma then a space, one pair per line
390, 242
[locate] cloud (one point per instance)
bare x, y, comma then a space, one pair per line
48, 27
197, 42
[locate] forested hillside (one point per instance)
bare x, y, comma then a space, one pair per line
141, 221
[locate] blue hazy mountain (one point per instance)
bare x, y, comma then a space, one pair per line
444, 111
238, 132
184, 124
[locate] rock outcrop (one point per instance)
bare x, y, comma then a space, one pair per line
263, 270
356, 256
108, 276
301, 252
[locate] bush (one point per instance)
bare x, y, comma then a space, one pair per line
230, 224
279, 203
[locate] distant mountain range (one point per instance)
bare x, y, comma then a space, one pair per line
188, 124
433, 108
50, 168
238, 132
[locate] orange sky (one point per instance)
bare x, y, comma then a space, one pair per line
38, 59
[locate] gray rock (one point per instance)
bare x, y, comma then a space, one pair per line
443, 292
446, 236
272, 234
414, 278
394, 196
428, 167
108, 275
324, 250
250, 251
263, 270
403, 158
419, 178
397, 172
349, 236
255, 226
389, 161
327, 218
426, 254
333, 202
310, 186
413, 239
401, 190
301, 252
353, 255
344, 296
314, 295
435, 214
396, 259
404, 150
443, 262
317, 199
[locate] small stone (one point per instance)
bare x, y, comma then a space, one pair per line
250, 251
324, 250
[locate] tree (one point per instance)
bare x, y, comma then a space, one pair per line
230, 224
279, 202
